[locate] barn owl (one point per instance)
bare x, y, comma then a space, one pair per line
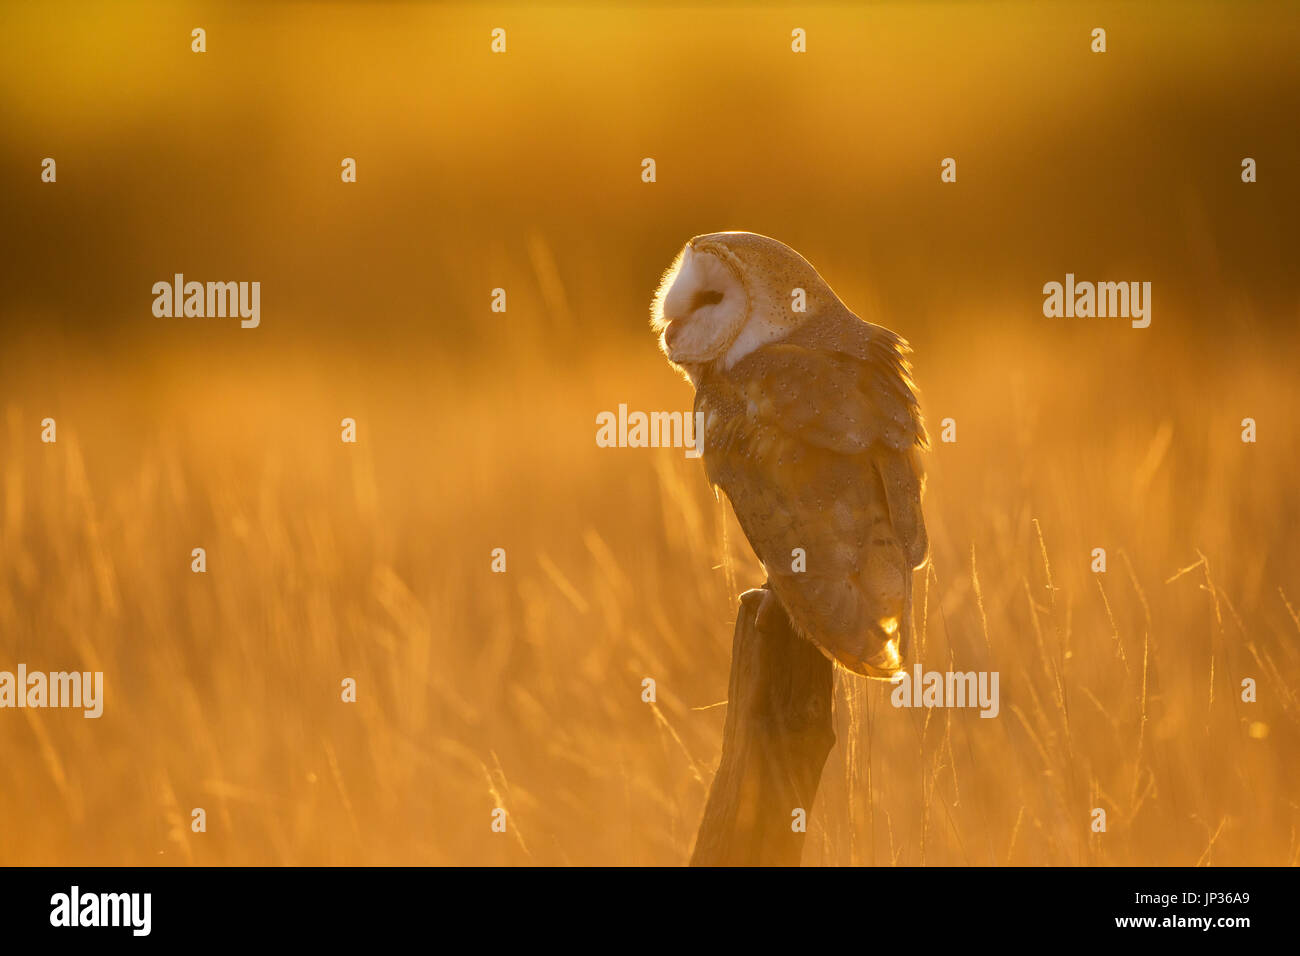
811, 428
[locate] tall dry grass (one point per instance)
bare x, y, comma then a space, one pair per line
523, 690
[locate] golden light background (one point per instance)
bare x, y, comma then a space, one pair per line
522, 171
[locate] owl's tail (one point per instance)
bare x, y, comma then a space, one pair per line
864, 621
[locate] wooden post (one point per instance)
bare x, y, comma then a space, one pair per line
774, 743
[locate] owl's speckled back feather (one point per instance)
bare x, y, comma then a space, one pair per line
816, 441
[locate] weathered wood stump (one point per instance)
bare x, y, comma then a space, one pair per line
775, 741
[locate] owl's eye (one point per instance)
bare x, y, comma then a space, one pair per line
705, 297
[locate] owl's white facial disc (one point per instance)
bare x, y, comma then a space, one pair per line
700, 308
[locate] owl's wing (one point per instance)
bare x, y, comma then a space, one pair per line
846, 386
818, 449
885, 379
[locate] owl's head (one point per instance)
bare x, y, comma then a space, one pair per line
728, 293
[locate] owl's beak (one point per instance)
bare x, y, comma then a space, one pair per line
672, 336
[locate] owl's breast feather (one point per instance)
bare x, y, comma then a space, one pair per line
745, 448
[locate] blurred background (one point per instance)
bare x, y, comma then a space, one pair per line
476, 429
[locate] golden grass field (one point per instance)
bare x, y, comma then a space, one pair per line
522, 690
477, 430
